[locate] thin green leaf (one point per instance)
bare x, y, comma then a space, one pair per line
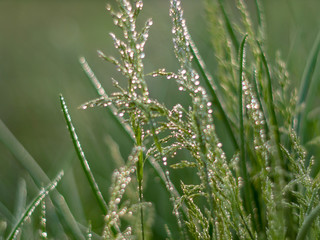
270, 104
241, 127
84, 163
229, 27
311, 202
21, 198
306, 82
307, 223
243, 165
259, 13
28, 212
212, 86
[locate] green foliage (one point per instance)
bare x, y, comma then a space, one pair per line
265, 190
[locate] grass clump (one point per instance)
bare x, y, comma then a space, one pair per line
264, 190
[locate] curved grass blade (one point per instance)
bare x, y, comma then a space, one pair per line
82, 158
21, 198
259, 13
212, 88
229, 27
306, 82
307, 224
241, 127
243, 167
139, 165
311, 202
40, 179
270, 104
30, 209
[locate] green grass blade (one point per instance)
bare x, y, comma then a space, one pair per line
243, 166
270, 104
139, 165
259, 13
40, 178
314, 194
306, 82
229, 27
213, 90
30, 209
241, 127
307, 224
82, 158
21, 198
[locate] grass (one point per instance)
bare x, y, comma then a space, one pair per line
266, 189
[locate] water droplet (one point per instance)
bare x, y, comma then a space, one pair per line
150, 22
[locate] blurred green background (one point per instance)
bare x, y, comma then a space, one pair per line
40, 46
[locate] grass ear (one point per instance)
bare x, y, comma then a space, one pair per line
228, 163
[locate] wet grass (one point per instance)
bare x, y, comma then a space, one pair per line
258, 183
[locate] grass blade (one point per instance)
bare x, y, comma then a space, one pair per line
259, 13
306, 82
42, 194
82, 158
243, 166
40, 178
229, 27
212, 88
21, 198
241, 127
270, 104
307, 224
